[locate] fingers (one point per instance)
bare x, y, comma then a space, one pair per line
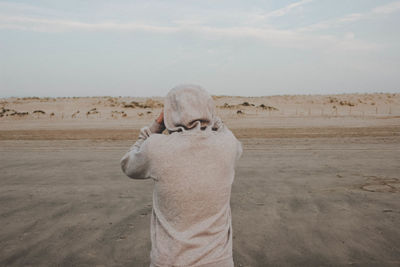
160, 118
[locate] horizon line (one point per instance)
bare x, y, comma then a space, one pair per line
213, 95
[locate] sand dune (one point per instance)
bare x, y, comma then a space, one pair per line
352, 110
104, 108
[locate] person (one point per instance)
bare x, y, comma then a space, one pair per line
193, 169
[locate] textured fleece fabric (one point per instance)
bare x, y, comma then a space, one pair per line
193, 170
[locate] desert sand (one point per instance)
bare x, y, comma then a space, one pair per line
318, 183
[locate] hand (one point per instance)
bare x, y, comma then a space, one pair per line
160, 118
217, 124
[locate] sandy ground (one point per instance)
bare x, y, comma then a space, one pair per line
310, 189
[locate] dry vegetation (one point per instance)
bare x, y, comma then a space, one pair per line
107, 107
149, 103
246, 104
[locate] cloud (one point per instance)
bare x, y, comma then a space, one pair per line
54, 25
269, 35
285, 10
337, 22
257, 18
302, 38
387, 9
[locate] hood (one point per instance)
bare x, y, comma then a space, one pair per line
188, 106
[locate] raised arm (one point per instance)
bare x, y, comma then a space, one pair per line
220, 126
135, 163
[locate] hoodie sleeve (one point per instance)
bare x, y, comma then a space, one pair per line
219, 125
239, 151
135, 163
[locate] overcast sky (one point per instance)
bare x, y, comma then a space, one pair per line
144, 48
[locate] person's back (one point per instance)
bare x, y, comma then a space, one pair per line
193, 170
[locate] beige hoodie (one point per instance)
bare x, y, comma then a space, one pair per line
193, 171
